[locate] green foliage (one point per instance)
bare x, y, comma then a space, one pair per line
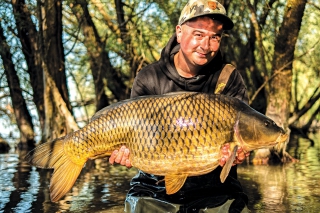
306, 72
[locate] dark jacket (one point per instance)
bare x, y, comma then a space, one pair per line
162, 77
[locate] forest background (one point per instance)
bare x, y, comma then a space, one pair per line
61, 61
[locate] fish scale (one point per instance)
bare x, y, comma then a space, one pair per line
175, 135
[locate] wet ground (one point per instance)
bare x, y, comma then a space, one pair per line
290, 187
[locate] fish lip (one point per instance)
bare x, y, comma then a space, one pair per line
282, 138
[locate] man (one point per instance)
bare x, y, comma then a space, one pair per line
191, 61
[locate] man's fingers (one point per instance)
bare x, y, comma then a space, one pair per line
128, 163
113, 156
225, 149
226, 152
119, 156
222, 161
241, 155
124, 156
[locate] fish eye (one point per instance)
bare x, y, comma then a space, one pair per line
267, 123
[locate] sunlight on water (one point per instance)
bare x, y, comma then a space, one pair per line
8, 163
292, 187
28, 196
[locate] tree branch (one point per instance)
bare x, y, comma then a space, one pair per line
257, 31
313, 99
281, 69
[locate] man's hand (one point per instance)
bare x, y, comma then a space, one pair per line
226, 152
121, 156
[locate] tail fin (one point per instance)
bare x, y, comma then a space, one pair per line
51, 155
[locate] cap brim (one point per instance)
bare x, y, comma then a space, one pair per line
225, 20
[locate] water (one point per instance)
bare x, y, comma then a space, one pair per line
291, 187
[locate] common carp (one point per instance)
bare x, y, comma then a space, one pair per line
175, 135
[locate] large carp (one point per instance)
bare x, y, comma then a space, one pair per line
174, 135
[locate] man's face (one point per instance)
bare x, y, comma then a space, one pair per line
199, 40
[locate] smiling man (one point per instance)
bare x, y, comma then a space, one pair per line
199, 40
191, 61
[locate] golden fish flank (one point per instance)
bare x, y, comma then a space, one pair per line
174, 135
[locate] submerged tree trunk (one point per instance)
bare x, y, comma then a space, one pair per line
4, 145
61, 119
22, 115
279, 96
56, 97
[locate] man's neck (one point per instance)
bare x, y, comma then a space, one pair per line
182, 67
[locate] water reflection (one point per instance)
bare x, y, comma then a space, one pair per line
100, 187
25, 189
292, 187
7, 170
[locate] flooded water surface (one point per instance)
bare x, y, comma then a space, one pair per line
290, 187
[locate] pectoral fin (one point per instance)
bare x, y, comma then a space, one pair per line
226, 168
174, 183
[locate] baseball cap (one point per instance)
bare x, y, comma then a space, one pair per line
212, 8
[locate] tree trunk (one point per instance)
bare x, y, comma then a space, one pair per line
4, 146
280, 86
51, 22
28, 36
100, 64
61, 120
131, 56
56, 97
95, 49
23, 118
279, 96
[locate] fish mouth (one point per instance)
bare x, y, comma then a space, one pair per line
282, 138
